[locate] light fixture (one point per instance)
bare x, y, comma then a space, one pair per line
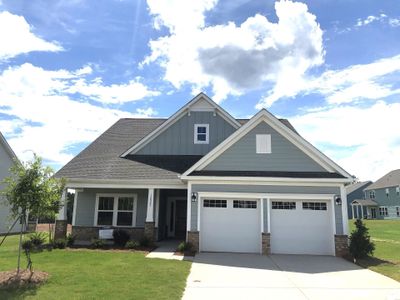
194, 197
338, 200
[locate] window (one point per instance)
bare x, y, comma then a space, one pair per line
244, 204
314, 205
398, 190
214, 203
383, 211
201, 133
283, 205
115, 210
372, 194
398, 211
387, 192
263, 143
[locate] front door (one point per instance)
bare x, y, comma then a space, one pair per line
180, 219
373, 213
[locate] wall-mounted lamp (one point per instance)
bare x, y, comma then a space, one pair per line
338, 200
194, 197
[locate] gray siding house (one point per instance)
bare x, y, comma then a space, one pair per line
7, 157
357, 206
223, 184
385, 192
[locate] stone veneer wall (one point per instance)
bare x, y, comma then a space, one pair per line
266, 243
86, 233
341, 245
192, 237
150, 231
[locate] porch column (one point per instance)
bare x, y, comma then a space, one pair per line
345, 219
362, 211
157, 206
60, 230
77, 191
352, 211
149, 225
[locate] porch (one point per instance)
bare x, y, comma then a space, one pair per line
364, 209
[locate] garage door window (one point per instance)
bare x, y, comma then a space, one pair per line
244, 204
283, 205
214, 203
314, 205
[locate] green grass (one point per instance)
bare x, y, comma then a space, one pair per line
386, 236
98, 274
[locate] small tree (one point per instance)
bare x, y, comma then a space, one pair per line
360, 241
32, 189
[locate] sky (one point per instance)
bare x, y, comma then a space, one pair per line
69, 69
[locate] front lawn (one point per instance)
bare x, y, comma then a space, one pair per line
98, 274
386, 236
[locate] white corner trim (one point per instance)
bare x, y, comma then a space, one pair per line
265, 116
345, 220
262, 214
150, 206
269, 215
175, 117
74, 207
333, 215
189, 208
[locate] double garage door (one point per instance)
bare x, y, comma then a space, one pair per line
297, 227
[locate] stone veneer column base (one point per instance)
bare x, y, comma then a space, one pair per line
266, 243
341, 245
150, 231
192, 237
60, 229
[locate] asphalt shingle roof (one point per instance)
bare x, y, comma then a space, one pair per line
101, 159
390, 179
355, 186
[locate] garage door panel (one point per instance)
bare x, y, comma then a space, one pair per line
230, 229
302, 231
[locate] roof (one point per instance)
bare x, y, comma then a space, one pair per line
357, 185
267, 174
101, 159
7, 147
390, 179
365, 202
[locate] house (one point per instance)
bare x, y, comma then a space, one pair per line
385, 192
223, 184
356, 203
7, 158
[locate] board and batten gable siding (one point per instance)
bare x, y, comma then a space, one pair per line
178, 139
86, 202
6, 162
265, 189
284, 155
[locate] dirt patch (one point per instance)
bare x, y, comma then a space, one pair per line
10, 279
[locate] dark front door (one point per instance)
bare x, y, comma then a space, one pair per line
180, 219
373, 213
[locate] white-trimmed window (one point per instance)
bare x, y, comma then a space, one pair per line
244, 204
215, 203
283, 205
201, 133
263, 143
383, 211
115, 210
398, 190
398, 211
314, 206
387, 192
372, 194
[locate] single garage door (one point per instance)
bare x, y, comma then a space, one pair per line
230, 225
301, 227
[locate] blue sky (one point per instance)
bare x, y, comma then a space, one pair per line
70, 69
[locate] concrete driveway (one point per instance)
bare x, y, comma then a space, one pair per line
251, 276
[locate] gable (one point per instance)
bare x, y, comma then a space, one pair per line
284, 156
178, 138
6, 161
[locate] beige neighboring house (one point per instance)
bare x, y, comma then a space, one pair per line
7, 157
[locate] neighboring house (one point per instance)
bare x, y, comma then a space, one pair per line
7, 158
223, 184
386, 193
355, 193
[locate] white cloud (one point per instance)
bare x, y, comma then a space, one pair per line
233, 59
394, 22
357, 82
16, 37
364, 141
44, 118
383, 18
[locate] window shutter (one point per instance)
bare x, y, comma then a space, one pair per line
263, 143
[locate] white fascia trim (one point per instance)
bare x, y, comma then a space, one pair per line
263, 180
277, 125
266, 196
175, 117
137, 184
8, 148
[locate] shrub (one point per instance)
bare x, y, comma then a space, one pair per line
121, 237
132, 244
97, 243
38, 238
145, 241
184, 246
60, 243
27, 245
70, 240
360, 241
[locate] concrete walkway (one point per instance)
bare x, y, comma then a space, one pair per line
248, 276
166, 249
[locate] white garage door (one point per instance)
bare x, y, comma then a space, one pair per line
301, 227
230, 225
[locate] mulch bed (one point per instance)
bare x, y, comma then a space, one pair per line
112, 249
186, 253
10, 279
